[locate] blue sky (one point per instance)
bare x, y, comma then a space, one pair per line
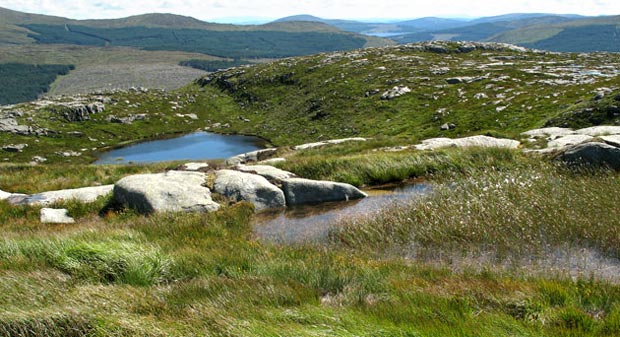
215, 10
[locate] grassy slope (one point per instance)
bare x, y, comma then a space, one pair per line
338, 95
178, 274
324, 96
118, 273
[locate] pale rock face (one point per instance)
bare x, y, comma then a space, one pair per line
328, 142
477, 141
4, 195
569, 140
84, 194
601, 130
266, 171
248, 187
195, 166
300, 191
59, 216
253, 156
172, 191
551, 132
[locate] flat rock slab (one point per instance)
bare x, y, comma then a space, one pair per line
4, 195
172, 191
569, 140
248, 187
300, 191
551, 132
611, 140
592, 154
474, 141
328, 142
195, 166
269, 172
84, 195
51, 215
601, 130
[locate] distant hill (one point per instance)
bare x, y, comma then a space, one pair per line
181, 33
582, 35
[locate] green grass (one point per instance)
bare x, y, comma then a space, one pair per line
371, 167
329, 96
514, 213
120, 273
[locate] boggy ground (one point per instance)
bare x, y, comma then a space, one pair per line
394, 274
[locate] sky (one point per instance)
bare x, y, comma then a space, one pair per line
226, 10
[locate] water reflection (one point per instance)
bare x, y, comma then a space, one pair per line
313, 222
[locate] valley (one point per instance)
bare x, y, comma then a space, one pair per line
338, 184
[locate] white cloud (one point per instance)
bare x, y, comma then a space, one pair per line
212, 9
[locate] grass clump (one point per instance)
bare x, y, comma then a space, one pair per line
378, 167
520, 211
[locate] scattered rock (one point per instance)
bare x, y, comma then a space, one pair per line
447, 126
51, 215
69, 154
269, 172
248, 187
397, 91
479, 141
84, 195
172, 191
300, 191
39, 159
592, 154
15, 147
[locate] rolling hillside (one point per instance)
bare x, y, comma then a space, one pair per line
148, 50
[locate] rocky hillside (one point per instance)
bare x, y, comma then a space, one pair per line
403, 93
419, 90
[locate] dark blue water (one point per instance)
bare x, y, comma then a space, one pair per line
195, 146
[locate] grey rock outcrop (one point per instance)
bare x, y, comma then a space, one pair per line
84, 194
592, 154
248, 187
253, 156
300, 191
600, 130
266, 171
78, 112
477, 141
10, 125
172, 191
51, 215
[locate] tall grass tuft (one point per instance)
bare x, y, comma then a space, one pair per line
520, 211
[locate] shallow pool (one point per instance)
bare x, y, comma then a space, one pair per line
195, 146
